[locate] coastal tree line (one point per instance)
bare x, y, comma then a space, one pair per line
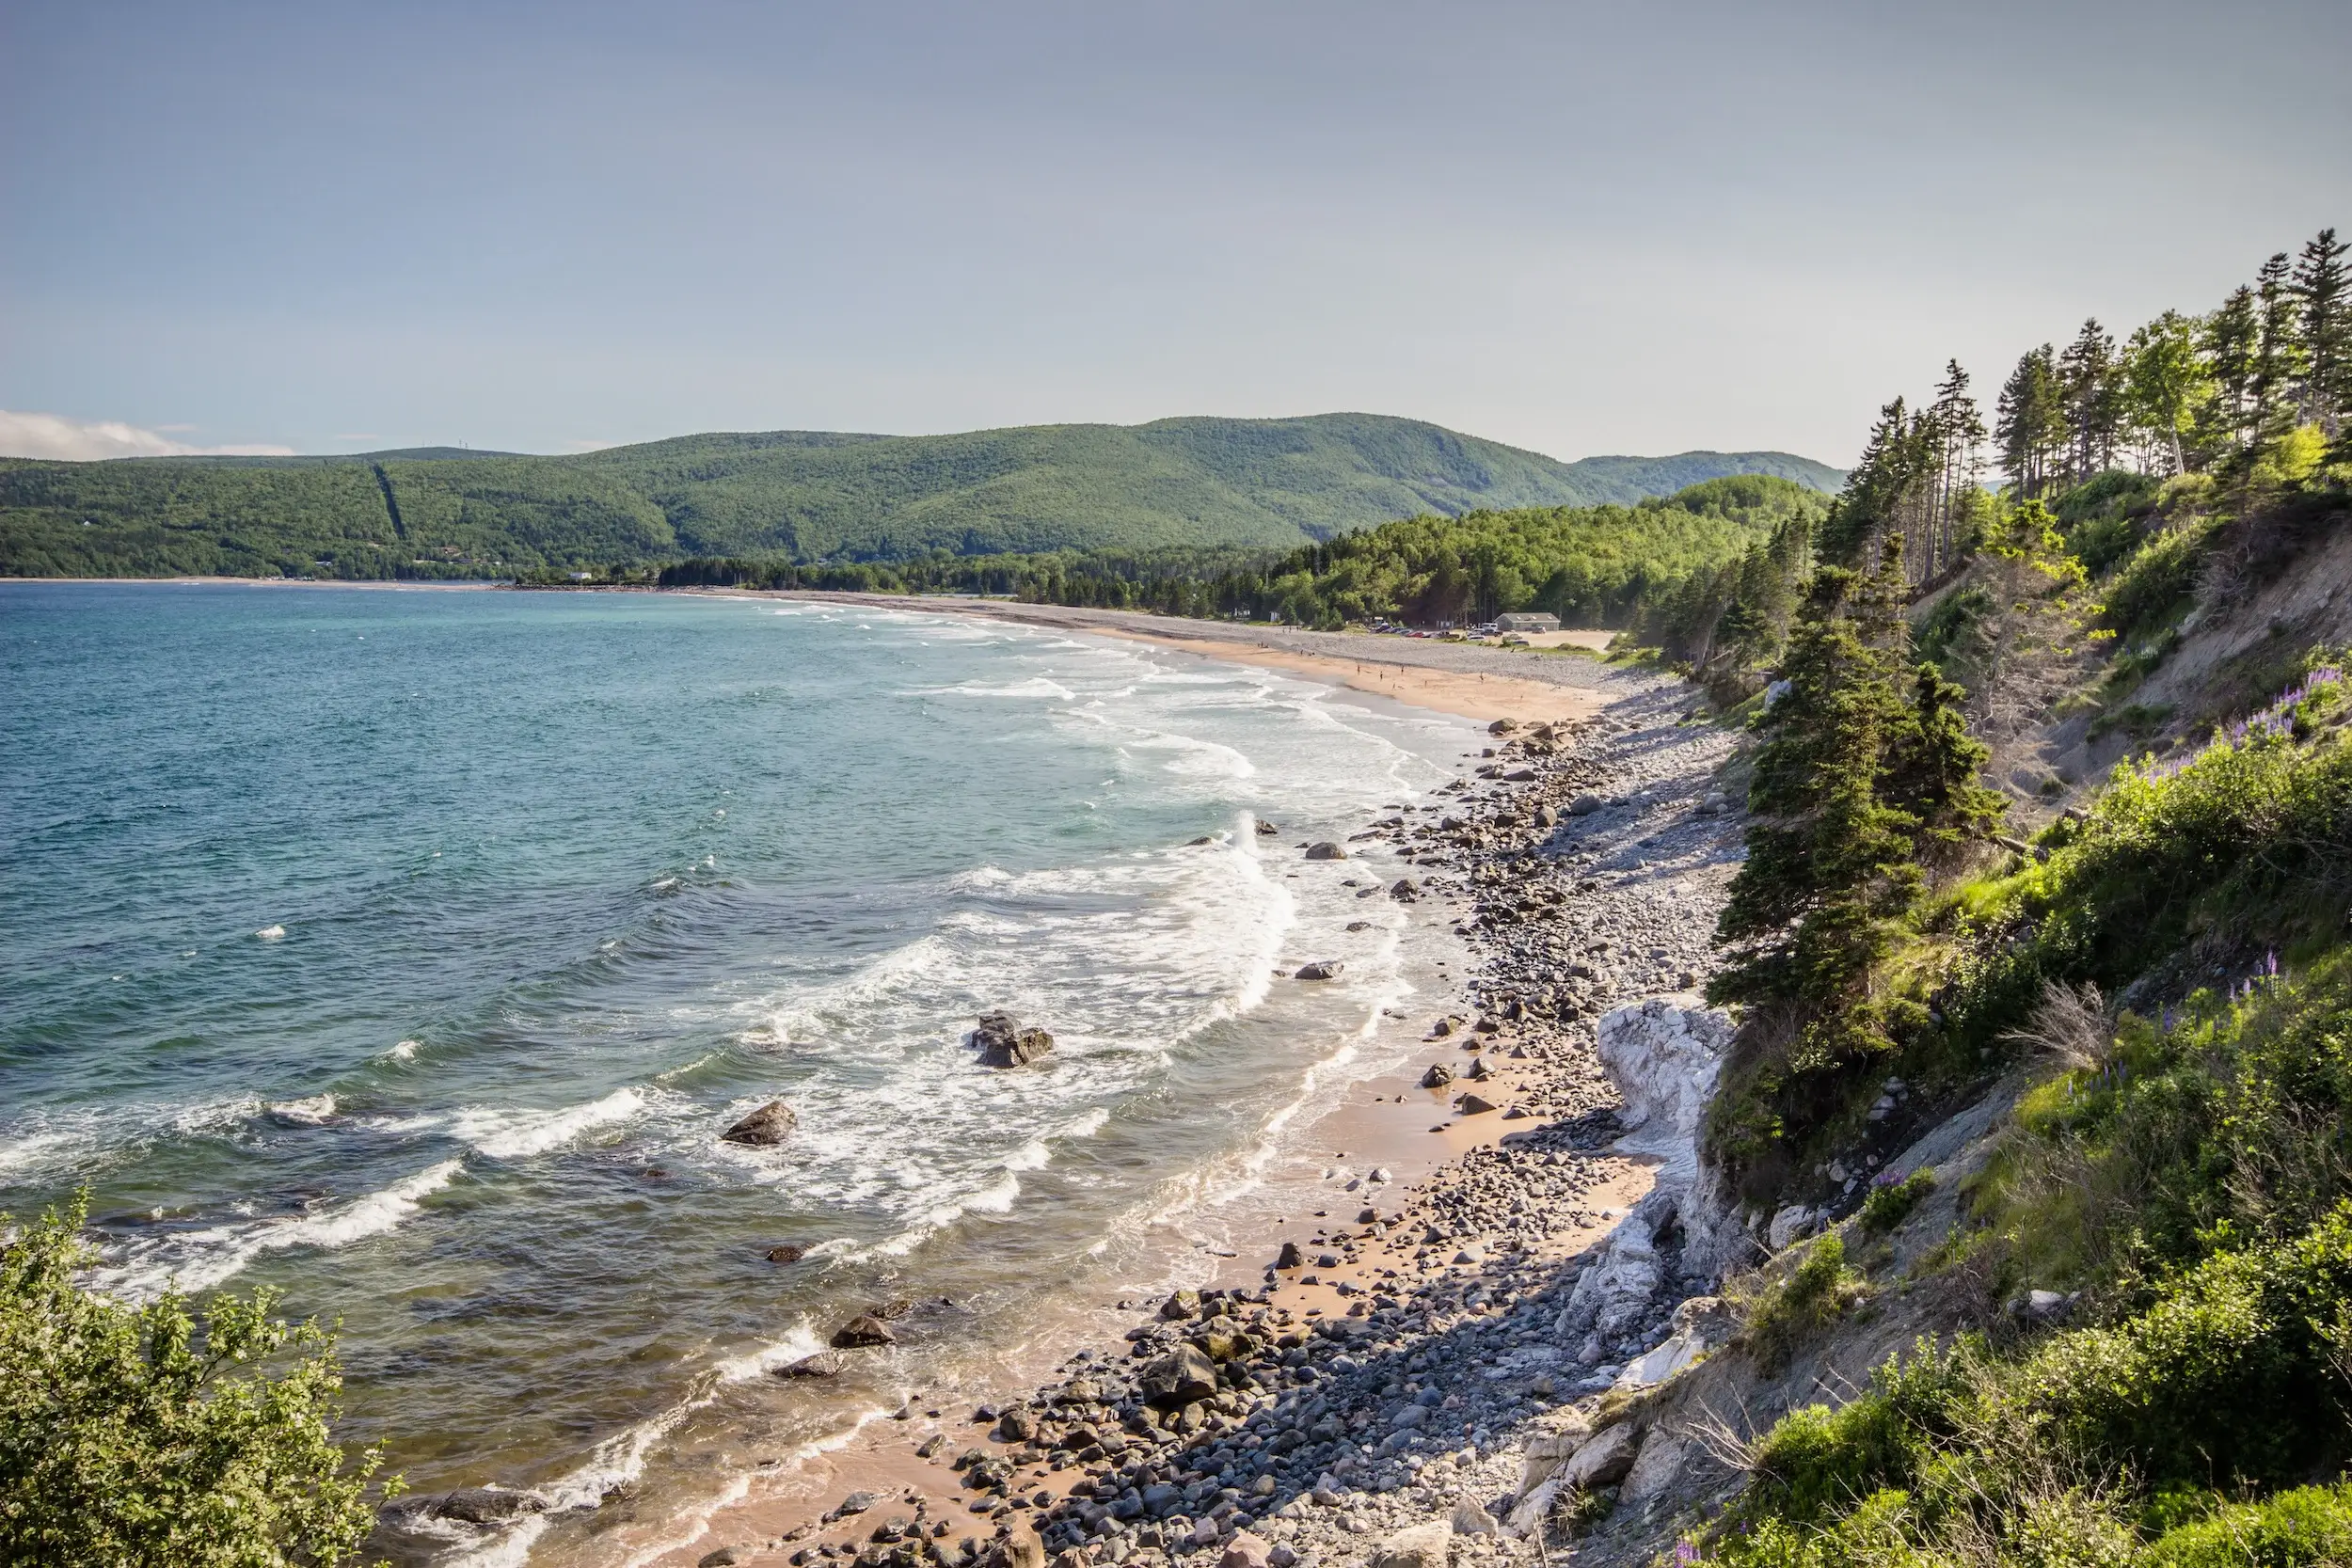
1604, 565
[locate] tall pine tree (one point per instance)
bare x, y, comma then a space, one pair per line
2232, 348
2091, 389
2326, 311
2279, 350
2029, 422
1866, 774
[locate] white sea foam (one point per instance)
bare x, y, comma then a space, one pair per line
201, 1260
404, 1051
510, 1134
621, 1459
271, 933
1036, 686
215, 1115
38, 1150
313, 1111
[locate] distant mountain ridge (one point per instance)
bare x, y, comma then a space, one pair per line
806, 496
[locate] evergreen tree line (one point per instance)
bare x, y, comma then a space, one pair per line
1603, 565
2185, 394
1866, 775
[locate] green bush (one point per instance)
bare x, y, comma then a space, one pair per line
1891, 1203
1817, 1463
150, 1437
1784, 1314
2223, 1386
2303, 1528
2252, 837
2156, 585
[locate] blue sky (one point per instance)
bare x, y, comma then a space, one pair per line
1576, 229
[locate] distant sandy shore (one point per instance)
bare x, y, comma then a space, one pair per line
1469, 679
437, 584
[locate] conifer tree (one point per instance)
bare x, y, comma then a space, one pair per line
1958, 433
2325, 314
2091, 389
2279, 352
2232, 348
1857, 786
2029, 422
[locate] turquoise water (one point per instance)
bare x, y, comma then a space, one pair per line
407, 951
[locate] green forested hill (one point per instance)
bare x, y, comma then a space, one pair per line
802, 496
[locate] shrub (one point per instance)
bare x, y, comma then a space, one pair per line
150, 1437
1818, 1461
1891, 1202
2155, 584
1816, 1293
2310, 1525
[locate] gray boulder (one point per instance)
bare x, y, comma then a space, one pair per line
1181, 1377
862, 1331
1002, 1042
485, 1504
771, 1124
1418, 1546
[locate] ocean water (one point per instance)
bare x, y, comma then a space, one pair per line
407, 951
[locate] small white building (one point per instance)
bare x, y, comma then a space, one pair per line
1527, 619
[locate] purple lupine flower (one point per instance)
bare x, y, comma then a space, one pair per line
2271, 963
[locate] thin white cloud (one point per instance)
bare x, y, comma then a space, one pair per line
358, 435
588, 446
55, 436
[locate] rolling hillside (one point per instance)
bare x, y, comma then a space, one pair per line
803, 496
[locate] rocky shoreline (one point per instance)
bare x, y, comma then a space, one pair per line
1431, 1372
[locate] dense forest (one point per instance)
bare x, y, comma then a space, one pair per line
1593, 565
799, 496
2161, 962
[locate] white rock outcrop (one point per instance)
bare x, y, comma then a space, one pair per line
1664, 1056
1612, 1294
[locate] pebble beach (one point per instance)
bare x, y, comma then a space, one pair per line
1417, 1368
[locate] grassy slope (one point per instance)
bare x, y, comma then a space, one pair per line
2184, 1166
809, 496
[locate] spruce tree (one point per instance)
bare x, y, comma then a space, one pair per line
2091, 402
2030, 422
2325, 314
2232, 348
2279, 352
1958, 433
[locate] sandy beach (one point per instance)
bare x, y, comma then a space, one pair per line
1435, 1214
1470, 679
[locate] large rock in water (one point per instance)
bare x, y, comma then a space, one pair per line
485, 1504
771, 1124
862, 1331
1002, 1042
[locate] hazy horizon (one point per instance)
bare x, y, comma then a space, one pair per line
1570, 230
